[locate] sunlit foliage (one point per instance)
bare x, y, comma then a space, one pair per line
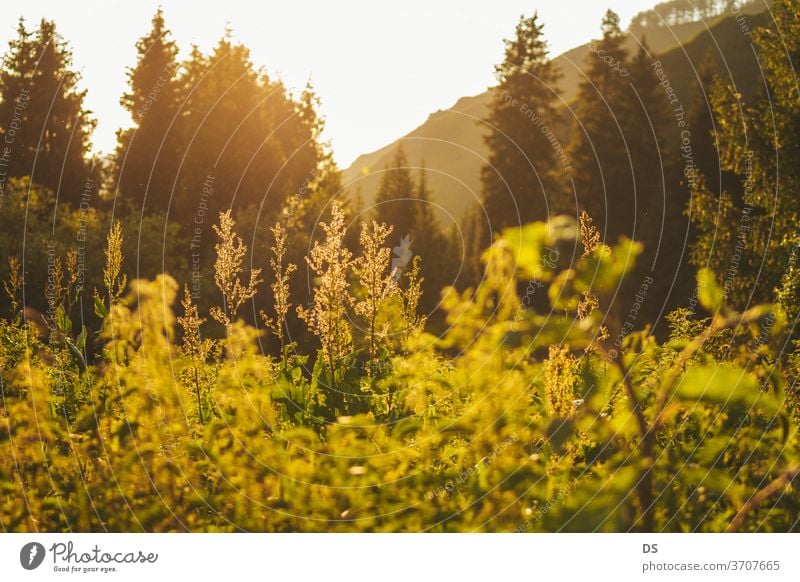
513, 420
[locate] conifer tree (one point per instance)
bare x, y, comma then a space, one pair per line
468, 244
600, 158
518, 181
147, 156
259, 143
430, 243
394, 201
42, 117
645, 117
700, 119
656, 200
15, 86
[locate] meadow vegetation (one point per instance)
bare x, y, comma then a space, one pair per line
512, 420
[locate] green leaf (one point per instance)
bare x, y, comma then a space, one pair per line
62, 320
709, 293
100, 308
76, 354
528, 247
603, 270
725, 387
80, 341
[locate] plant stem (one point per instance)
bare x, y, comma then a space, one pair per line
752, 504
644, 487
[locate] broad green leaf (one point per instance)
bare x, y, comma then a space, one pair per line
709, 293
528, 246
62, 320
725, 387
603, 270
100, 309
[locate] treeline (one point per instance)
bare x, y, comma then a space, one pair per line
210, 115
210, 132
614, 153
683, 174
404, 200
617, 152
676, 12
628, 150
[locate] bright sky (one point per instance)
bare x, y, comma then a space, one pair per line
380, 68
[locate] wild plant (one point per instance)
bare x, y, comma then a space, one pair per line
13, 286
113, 278
201, 355
505, 423
280, 289
228, 269
376, 280
327, 318
412, 294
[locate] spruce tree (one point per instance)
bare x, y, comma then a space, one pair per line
148, 156
657, 199
645, 116
15, 92
395, 199
245, 132
43, 122
700, 119
602, 174
518, 182
430, 243
468, 244
425, 220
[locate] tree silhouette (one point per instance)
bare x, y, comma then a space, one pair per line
395, 199
148, 154
601, 165
44, 127
518, 181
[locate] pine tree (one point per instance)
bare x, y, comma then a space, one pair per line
702, 124
715, 191
430, 243
15, 91
147, 156
700, 119
645, 116
657, 200
601, 166
43, 122
425, 221
395, 199
518, 181
469, 244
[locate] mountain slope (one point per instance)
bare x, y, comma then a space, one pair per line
450, 142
